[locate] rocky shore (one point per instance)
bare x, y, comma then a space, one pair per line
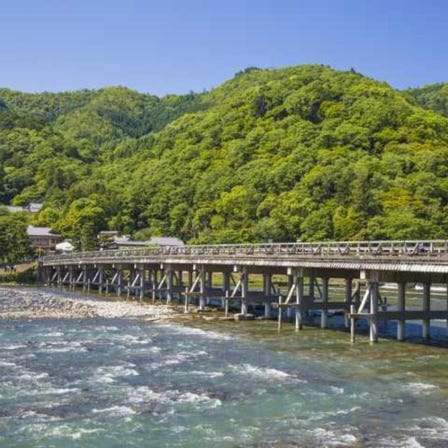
36, 303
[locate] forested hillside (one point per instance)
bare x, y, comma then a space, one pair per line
433, 96
298, 153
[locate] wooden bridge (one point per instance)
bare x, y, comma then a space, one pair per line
294, 278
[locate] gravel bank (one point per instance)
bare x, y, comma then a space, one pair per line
41, 303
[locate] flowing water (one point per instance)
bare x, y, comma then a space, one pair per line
119, 382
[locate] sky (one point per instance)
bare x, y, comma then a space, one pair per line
174, 46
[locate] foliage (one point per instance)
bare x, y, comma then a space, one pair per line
433, 96
14, 241
298, 153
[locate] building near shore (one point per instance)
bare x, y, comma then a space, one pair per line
43, 239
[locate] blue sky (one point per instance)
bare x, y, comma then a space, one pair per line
174, 46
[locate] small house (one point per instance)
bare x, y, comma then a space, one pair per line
43, 239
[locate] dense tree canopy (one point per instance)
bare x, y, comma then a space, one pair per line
14, 242
299, 153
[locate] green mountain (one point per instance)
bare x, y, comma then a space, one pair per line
298, 153
433, 96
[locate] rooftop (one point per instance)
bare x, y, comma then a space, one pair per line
40, 231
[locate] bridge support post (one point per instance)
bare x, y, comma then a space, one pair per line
59, 276
119, 280
84, 278
324, 312
71, 285
373, 285
142, 283
267, 287
348, 300
130, 281
100, 279
186, 301
401, 323
426, 310
279, 325
352, 323
290, 285
225, 288
201, 287
244, 289
226, 281
299, 302
153, 284
169, 286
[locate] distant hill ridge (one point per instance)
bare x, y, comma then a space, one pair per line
302, 152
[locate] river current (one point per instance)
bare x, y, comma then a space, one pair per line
98, 382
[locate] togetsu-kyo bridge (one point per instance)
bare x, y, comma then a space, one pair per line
280, 280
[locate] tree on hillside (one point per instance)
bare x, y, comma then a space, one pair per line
14, 242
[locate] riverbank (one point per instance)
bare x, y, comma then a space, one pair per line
34, 303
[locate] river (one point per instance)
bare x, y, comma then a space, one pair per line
115, 382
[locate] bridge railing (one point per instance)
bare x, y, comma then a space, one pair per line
327, 249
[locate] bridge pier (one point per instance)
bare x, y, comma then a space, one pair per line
169, 285
202, 281
299, 301
348, 300
373, 311
426, 310
324, 312
119, 274
401, 306
267, 289
244, 289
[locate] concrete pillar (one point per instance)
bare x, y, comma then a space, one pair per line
59, 277
130, 280
226, 281
267, 288
401, 323
202, 287
352, 323
244, 289
142, 283
299, 302
267, 309
288, 309
84, 278
324, 312
426, 309
267, 284
186, 303
279, 325
312, 279
153, 284
100, 280
119, 281
169, 286
348, 298
373, 311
